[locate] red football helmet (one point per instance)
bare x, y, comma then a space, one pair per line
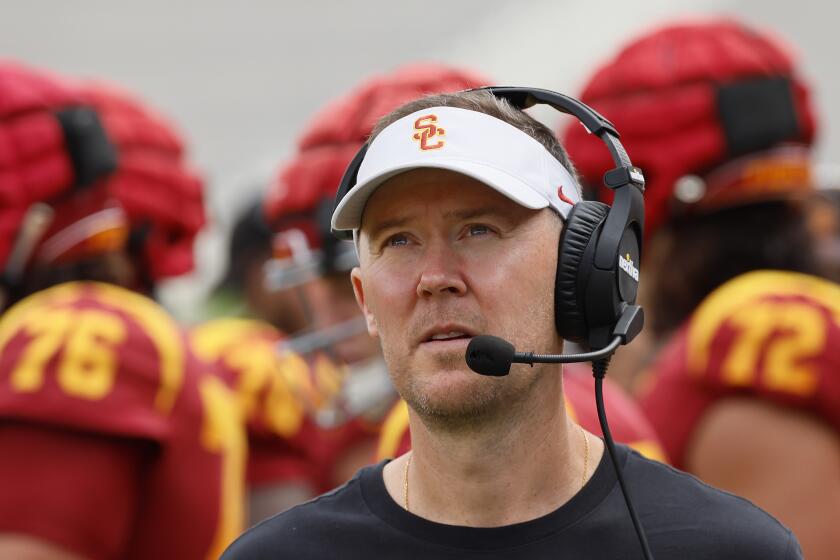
691, 97
159, 191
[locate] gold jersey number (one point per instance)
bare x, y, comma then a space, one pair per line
87, 341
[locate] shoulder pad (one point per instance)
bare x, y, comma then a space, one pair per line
775, 334
627, 423
92, 356
244, 354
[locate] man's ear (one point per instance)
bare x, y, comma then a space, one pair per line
359, 291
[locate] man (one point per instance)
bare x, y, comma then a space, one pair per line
239, 344
112, 435
310, 269
497, 469
746, 376
243, 290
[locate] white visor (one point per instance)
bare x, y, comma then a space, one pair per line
468, 142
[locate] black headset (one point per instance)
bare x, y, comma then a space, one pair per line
597, 268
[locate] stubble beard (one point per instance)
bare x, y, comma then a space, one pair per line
490, 401
485, 400
450, 411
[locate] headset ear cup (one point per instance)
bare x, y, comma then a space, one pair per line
573, 266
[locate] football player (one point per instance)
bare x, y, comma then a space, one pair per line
243, 290
277, 392
116, 444
744, 390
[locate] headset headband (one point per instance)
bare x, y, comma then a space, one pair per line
625, 179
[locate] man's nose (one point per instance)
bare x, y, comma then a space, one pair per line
441, 274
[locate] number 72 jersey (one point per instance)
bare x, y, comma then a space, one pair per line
769, 335
96, 359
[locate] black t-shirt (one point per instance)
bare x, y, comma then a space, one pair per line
684, 519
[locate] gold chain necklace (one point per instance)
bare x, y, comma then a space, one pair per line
582, 480
405, 480
585, 456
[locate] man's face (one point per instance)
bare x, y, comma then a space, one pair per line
442, 258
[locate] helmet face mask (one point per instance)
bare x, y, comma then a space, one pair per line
294, 261
323, 314
301, 254
308, 274
326, 328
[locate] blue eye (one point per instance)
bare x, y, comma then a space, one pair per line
397, 240
478, 229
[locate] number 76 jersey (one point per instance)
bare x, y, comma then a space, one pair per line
768, 335
89, 358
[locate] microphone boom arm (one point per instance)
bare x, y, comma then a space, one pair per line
531, 358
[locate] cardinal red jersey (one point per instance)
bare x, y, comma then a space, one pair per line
627, 423
97, 360
768, 335
283, 396
345, 444
268, 384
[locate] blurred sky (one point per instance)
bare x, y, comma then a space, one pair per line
241, 78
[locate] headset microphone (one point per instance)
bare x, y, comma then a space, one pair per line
490, 355
493, 356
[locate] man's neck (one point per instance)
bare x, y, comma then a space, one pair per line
516, 469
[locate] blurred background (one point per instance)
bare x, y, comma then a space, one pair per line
268, 309
242, 79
